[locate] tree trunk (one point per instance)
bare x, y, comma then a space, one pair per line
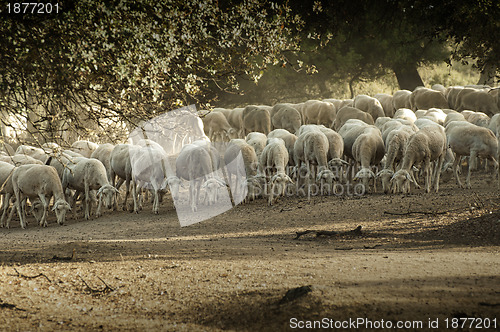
487, 74
408, 77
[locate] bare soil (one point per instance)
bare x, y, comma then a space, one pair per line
419, 257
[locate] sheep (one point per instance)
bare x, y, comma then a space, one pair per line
401, 99
235, 119
494, 124
319, 112
405, 113
103, 154
256, 119
386, 101
451, 94
273, 161
6, 190
285, 117
39, 181
257, 141
84, 175
244, 167
150, 166
473, 141
20, 159
335, 150
455, 116
426, 145
369, 105
479, 119
217, 127
347, 113
394, 144
85, 148
424, 98
33, 152
120, 166
367, 150
311, 148
289, 140
195, 163
438, 87
476, 100
381, 121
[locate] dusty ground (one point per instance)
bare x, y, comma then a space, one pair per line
144, 272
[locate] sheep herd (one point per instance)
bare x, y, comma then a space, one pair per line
317, 147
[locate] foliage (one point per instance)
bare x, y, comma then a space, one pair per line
132, 59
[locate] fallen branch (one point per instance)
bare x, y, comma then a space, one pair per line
355, 232
66, 258
423, 212
10, 306
106, 289
18, 274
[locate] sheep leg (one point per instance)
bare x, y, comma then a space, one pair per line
75, 197
134, 195
473, 156
455, 170
427, 173
45, 204
127, 192
439, 165
5, 207
19, 206
98, 213
87, 199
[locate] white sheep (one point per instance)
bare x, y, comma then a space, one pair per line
39, 181
241, 160
195, 163
394, 145
33, 152
386, 101
258, 141
479, 119
451, 94
368, 150
425, 146
401, 99
85, 148
6, 190
425, 98
405, 113
284, 116
476, 100
217, 128
151, 168
20, 159
369, 105
319, 112
289, 140
273, 161
122, 167
256, 118
84, 175
347, 113
454, 116
311, 148
103, 154
473, 141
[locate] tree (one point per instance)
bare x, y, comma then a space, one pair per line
116, 61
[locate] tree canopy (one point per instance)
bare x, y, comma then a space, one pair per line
120, 61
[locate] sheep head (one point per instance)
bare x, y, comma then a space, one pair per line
61, 207
385, 176
212, 186
327, 176
400, 182
174, 183
365, 175
107, 194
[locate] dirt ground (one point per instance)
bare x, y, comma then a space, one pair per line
420, 258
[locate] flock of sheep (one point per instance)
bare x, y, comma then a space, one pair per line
311, 147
